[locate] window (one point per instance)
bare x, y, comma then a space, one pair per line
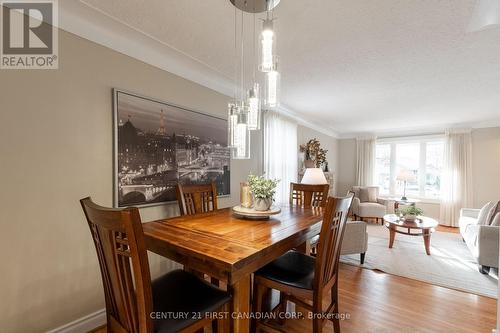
419, 161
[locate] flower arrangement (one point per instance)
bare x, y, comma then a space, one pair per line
314, 152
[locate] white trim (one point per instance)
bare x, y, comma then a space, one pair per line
301, 121
84, 324
430, 130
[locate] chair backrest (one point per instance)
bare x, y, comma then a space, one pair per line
121, 250
306, 195
355, 190
196, 199
330, 242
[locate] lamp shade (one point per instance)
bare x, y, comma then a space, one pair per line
406, 176
314, 176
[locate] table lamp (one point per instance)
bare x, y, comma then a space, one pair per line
314, 176
406, 176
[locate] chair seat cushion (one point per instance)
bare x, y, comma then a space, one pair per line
179, 292
293, 268
371, 209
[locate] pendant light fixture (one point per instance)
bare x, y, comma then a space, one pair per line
244, 112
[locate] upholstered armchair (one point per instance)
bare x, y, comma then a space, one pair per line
367, 204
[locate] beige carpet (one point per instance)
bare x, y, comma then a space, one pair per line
450, 264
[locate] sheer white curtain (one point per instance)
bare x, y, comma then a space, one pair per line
280, 152
365, 161
456, 186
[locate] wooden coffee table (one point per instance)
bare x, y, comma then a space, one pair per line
424, 226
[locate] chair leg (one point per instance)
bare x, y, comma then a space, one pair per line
223, 322
362, 258
335, 318
258, 294
484, 269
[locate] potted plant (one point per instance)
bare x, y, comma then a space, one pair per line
410, 213
263, 191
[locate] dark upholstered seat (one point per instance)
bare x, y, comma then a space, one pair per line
293, 268
179, 292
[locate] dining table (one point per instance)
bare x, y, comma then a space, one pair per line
230, 248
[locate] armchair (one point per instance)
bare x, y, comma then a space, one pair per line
367, 204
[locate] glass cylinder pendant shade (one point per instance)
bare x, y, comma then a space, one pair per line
272, 89
232, 121
267, 46
241, 148
254, 110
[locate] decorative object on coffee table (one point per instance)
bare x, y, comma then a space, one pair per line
423, 225
263, 191
409, 213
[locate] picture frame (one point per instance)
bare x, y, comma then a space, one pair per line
157, 144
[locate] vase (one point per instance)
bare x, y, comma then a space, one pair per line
262, 204
309, 164
410, 217
245, 195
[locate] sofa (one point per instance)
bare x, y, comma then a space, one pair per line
367, 204
482, 240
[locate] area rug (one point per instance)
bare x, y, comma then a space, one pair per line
450, 264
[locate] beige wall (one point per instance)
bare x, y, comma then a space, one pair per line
485, 166
56, 147
347, 165
304, 134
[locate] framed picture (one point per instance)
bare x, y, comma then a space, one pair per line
158, 144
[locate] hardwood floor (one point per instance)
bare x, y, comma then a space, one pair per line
383, 303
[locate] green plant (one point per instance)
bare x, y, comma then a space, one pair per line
410, 210
261, 187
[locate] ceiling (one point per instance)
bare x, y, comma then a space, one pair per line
352, 66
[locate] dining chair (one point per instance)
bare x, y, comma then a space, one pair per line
134, 303
306, 195
196, 199
303, 279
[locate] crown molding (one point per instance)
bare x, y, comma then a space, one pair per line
307, 123
83, 20
429, 130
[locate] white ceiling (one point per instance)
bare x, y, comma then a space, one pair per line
352, 66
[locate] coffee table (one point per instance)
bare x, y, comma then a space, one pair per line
423, 225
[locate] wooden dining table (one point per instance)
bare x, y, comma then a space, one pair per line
230, 248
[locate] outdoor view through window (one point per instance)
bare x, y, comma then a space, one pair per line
422, 159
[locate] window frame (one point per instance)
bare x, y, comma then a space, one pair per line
422, 174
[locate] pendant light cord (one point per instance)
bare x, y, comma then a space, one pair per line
242, 60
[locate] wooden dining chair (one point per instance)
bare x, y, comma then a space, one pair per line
306, 195
196, 199
303, 279
133, 303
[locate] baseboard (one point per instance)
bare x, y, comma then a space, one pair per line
83, 325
